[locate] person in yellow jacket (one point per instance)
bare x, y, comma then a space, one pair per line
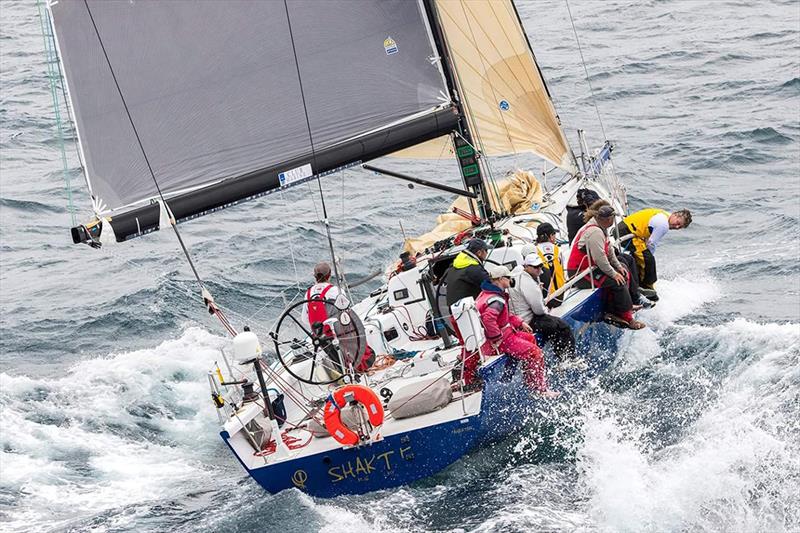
648, 227
552, 257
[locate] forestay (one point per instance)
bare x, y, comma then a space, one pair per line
235, 98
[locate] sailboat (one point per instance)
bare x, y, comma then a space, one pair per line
182, 109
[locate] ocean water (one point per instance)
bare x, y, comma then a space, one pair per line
106, 423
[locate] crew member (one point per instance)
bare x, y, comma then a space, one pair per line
528, 304
315, 310
552, 275
463, 279
509, 334
648, 227
584, 198
591, 247
465, 276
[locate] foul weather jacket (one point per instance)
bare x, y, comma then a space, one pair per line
593, 241
464, 278
503, 335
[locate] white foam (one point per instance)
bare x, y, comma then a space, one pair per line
679, 297
360, 515
735, 468
114, 431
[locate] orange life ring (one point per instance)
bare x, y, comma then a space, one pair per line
341, 397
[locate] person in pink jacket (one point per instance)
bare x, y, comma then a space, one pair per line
507, 333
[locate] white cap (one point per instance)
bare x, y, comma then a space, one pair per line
532, 260
498, 271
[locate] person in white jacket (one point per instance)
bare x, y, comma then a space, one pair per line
527, 302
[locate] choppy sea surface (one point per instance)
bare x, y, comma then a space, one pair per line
106, 421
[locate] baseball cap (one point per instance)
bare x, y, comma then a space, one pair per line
498, 271
532, 260
476, 245
605, 211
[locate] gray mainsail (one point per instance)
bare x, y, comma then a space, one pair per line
231, 99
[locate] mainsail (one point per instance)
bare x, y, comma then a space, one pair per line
201, 105
232, 99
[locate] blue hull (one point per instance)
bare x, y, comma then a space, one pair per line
407, 457
394, 461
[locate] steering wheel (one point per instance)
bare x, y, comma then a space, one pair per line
333, 347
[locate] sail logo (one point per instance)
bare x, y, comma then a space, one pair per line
504, 105
390, 46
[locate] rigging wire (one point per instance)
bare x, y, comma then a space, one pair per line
51, 57
586, 70
313, 152
206, 295
291, 242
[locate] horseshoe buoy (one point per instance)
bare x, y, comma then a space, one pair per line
340, 398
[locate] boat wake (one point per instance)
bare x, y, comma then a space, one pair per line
112, 441
699, 433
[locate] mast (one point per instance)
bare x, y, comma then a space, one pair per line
468, 157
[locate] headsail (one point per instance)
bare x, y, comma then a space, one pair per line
500, 83
233, 99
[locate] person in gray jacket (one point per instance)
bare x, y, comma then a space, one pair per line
591, 248
527, 302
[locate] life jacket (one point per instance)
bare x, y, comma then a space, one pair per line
579, 258
316, 308
499, 328
553, 263
639, 222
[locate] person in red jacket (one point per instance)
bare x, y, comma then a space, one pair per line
507, 333
316, 309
